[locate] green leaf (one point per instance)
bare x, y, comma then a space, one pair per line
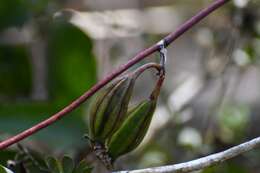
72, 63
4, 170
54, 165
67, 164
83, 167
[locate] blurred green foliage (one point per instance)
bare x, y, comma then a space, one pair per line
15, 70
70, 70
67, 165
233, 121
49, 165
13, 13
4, 170
72, 64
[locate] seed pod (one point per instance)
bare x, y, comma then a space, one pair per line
109, 108
94, 105
109, 112
134, 128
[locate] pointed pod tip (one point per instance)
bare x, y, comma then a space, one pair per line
156, 91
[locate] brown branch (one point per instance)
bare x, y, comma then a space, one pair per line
203, 162
140, 56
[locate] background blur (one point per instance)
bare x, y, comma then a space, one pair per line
50, 54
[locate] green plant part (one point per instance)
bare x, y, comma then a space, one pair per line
95, 104
109, 111
130, 135
66, 165
134, 128
109, 108
5, 170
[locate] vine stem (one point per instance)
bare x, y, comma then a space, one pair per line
140, 56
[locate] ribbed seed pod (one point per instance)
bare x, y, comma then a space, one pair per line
109, 108
133, 130
95, 103
113, 131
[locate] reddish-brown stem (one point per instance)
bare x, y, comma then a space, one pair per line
156, 90
141, 69
141, 55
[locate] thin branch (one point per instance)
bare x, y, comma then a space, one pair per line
203, 162
140, 56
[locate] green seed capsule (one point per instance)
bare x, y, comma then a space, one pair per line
133, 130
135, 127
113, 131
109, 109
94, 105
